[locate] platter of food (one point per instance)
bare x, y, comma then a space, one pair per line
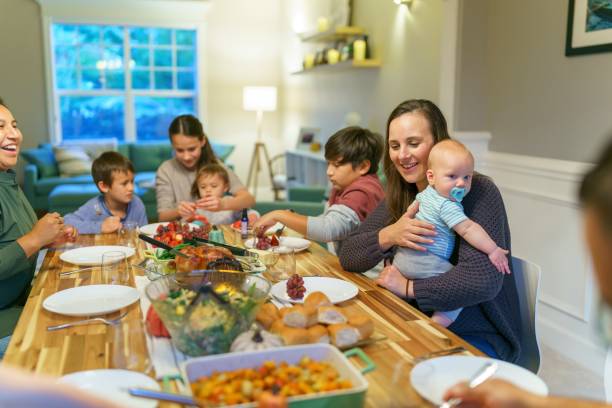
337, 290
273, 243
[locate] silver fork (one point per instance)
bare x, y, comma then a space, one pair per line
109, 322
483, 374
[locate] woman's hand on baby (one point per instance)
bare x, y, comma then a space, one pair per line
407, 232
186, 209
391, 278
210, 203
499, 259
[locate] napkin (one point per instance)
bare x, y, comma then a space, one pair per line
166, 358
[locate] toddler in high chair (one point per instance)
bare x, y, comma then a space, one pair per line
449, 174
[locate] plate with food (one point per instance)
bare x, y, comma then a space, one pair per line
296, 288
175, 233
273, 243
92, 255
433, 377
91, 300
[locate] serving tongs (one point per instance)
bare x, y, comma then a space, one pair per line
162, 245
233, 249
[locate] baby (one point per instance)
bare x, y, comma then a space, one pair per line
451, 166
212, 180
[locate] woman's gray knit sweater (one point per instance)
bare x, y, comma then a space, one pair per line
489, 298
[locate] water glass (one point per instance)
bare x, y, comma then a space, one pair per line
128, 234
129, 349
115, 268
284, 267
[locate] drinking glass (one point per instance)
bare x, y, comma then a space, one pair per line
129, 350
128, 234
284, 267
115, 268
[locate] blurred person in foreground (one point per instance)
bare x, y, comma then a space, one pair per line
596, 198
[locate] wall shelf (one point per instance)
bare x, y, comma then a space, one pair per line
341, 66
339, 33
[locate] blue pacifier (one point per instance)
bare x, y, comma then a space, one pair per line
457, 193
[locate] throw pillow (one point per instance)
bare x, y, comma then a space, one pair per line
72, 161
44, 161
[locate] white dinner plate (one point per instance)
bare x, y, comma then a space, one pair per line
336, 290
113, 385
92, 255
151, 229
295, 243
432, 378
91, 300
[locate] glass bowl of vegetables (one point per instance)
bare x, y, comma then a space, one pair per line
204, 311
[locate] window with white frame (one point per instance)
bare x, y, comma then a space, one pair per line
124, 82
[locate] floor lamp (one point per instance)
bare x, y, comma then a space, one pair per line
258, 99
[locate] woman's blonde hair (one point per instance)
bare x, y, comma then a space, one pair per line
399, 194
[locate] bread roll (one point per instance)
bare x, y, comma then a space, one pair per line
318, 334
277, 326
292, 335
267, 314
363, 324
316, 299
331, 315
299, 316
343, 335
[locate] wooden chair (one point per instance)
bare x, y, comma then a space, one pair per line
278, 175
527, 277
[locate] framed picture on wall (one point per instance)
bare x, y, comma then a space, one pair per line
307, 136
589, 27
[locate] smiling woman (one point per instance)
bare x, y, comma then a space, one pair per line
21, 236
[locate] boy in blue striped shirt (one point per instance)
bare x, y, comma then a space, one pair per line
451, 166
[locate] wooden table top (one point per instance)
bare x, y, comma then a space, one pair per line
409, 333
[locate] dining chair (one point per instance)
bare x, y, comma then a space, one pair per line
527, 278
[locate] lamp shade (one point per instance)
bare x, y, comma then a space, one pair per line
259, 98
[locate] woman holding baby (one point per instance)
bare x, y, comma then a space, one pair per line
487, 299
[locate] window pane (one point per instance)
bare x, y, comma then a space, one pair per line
65, 56
163, 58
141, 79
89, 55
163, 80
140, 56
185, 58
85, 117
115, 79
162, 36
185, 37
185, 80
89, 34
90, 79
153, 115
139, 36
113, 35
66, 78
113, 53
65, 34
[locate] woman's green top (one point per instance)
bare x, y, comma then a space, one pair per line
16, 219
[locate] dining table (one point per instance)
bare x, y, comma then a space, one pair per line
402, 333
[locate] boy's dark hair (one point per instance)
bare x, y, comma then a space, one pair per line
596, 188
209, 170
103, 167
355, 145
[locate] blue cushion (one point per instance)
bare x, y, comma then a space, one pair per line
44, 186
43, 159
